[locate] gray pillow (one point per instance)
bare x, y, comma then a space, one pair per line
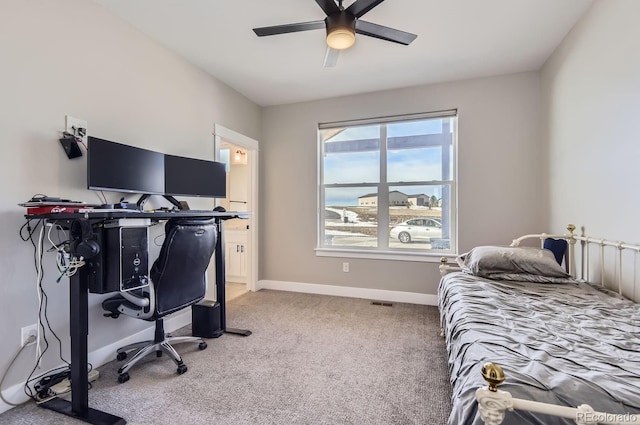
488, 261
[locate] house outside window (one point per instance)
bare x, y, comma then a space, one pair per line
387, 186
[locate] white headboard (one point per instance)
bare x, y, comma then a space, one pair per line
612, 264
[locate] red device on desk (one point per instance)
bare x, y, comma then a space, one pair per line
50, 209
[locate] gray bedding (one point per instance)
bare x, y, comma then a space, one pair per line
565, 344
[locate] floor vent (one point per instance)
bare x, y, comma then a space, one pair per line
382, 303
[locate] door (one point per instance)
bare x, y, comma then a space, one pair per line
240, 154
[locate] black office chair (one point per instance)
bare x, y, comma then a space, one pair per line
178, 280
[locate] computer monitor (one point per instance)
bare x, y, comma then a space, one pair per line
194, 177
122, 168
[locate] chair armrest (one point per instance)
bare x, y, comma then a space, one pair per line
139, 301
130, 304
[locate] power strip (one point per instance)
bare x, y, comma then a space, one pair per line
64, 386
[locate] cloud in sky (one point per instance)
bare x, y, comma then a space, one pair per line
352, 167
420, 164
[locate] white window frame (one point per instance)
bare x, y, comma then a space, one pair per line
382, 251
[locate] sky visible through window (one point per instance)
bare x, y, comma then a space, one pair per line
413, 164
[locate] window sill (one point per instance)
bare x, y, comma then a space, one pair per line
432, 257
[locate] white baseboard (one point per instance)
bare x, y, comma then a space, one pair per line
351, 292
104, 355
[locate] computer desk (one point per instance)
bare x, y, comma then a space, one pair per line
78, 407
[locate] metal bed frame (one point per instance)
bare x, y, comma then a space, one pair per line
494, 403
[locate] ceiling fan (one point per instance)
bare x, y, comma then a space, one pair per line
342, 25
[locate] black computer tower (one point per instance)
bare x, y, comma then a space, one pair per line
123, 262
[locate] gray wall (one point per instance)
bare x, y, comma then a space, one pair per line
591, 100
502, 191
73, 57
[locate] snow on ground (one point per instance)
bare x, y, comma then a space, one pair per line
351, 216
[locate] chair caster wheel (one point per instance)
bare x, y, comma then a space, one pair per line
123, 377
121, 356
202, 345
182, 369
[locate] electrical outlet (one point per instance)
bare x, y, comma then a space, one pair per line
27, 332
73, 124
345, 267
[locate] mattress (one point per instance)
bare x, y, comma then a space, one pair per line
567, 344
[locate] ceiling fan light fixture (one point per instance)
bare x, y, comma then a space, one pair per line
341, 31
340, 27
341, 38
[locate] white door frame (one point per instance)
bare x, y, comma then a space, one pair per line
252, 146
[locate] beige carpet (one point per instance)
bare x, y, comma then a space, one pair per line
312, 359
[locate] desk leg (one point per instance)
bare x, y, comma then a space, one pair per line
78, 407
220, 283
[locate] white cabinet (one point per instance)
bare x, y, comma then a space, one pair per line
236, 255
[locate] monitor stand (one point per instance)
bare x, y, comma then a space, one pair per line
143, 199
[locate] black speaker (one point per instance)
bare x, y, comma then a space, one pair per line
70, 146
205, 319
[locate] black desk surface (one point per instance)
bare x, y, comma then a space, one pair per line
123, 213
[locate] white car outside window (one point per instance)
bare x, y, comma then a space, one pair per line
417, 229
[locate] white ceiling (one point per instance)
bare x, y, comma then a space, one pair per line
457, 39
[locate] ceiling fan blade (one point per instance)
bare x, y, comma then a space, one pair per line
384, 33
329, 6
360, 7
283, 29
331, 57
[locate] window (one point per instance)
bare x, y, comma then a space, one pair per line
388, 185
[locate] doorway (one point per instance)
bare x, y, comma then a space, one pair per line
240, 155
